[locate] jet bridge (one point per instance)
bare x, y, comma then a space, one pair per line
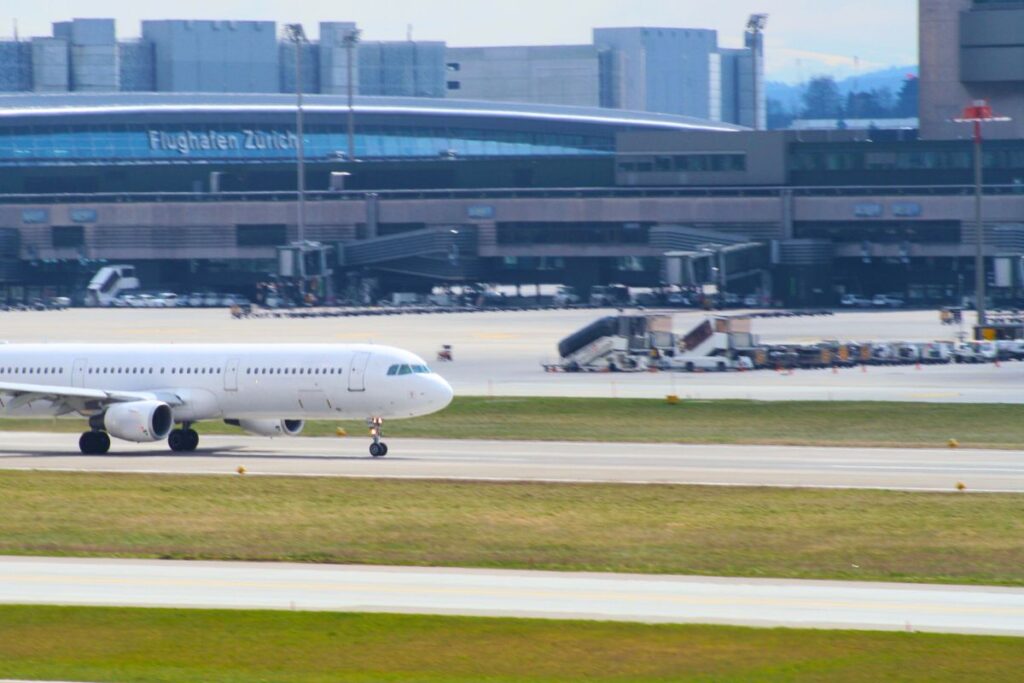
440, 253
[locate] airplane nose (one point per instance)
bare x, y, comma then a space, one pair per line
445, 393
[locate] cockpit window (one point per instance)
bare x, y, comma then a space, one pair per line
408, 370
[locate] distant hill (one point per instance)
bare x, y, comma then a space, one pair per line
891, 78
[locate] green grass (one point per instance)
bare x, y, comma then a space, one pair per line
773, 422
769, 532
171, 646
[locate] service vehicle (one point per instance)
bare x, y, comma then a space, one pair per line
887, 301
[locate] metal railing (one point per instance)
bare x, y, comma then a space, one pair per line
516, 193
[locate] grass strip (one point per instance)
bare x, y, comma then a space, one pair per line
757, 532
828, 423
172, 646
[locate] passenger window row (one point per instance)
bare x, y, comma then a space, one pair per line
293, 371
31, 371
150, 371
408, 370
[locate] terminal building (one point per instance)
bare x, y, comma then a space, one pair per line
197, 190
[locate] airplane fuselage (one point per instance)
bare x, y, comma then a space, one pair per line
228, 381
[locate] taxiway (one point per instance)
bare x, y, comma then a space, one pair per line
753, 602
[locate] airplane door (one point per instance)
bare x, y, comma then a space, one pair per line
357, 371
231, 375
78, 372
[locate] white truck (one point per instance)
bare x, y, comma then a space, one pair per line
612, 343
712, 346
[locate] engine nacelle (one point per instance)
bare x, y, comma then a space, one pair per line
139, 421
270, 427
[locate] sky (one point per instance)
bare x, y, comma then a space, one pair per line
804, 38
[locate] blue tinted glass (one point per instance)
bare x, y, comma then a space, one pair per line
242, 143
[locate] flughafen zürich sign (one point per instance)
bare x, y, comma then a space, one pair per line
187, 142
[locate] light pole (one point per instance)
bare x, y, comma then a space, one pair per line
295, 34
350, 41
978, 112
755, 32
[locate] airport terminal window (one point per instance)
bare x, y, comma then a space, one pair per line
272, 235
67, 236
573, 233
882, 232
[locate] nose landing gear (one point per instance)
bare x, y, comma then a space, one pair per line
378, 448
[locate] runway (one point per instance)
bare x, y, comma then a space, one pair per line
756, 602
938, 469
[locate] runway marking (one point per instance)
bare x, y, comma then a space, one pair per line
934, 468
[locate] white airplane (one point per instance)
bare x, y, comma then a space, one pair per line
139, 392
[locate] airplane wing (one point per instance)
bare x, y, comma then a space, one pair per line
13, 395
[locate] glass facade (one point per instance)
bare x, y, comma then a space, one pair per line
309, 66
15, 66
911, 157
135, 63
409, 69
257, 142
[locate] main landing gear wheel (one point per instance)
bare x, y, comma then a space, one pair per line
378, 448
183, 440
94, 443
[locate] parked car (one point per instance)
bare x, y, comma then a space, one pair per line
936, 352
887, 301
975, 352
195, 299
210, 299
855, 301
1010, 349
752, 301
565, 296
678, 299
170, 299
884, 353
127, 301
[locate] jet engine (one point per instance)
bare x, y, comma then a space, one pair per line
270, 427
139, 421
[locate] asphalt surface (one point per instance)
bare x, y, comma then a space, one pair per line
500, 353
755, 602
889, 468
